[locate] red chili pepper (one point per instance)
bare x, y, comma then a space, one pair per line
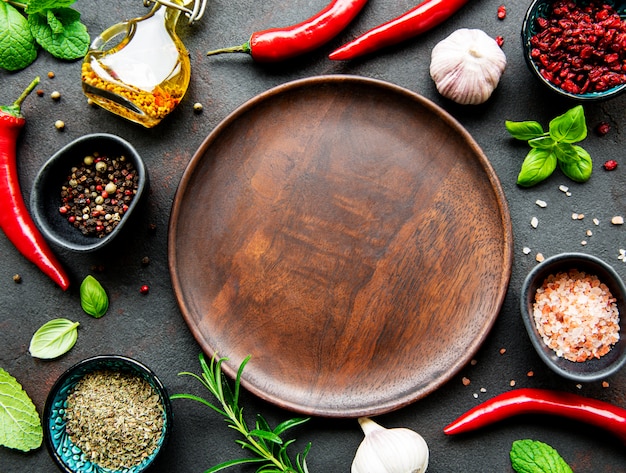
279, 44
418, 20
15, 220
542, 401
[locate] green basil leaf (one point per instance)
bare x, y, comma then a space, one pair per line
93, 297
565, 153
579, 169
532, 456
544, 142
20, 425
538, 165
60, 32
569, 127
53, 339
524, 130
17, 45
40, 6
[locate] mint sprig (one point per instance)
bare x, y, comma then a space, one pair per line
49, 24
553, 148
532, 456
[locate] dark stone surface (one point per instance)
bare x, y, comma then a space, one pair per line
150, 327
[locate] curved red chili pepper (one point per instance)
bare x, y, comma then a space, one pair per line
279, 44
418, 20
542, 401
15, 221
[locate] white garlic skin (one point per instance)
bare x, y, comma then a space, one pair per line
384, 450
467, 66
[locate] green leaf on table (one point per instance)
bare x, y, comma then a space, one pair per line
579, 169
60, 32
17, 45
38, 6
565, 153
524, 130
543, 141
20, 425
532, 456
93, 297
570, 127
537, 166
53, 339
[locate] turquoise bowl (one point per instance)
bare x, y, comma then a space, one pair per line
67, 456
541, 8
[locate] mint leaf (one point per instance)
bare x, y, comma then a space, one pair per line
39, 6
53, 339
60, 32
532, 456
537, 166
524, 130
93, 297
20, 425
579, 169
569, 127
17, 45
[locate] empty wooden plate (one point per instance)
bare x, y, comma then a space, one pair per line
350, 236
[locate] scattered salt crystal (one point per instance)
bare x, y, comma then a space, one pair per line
541, 203
596, 221
539, 257
475, 395
526, 250
563, 188
583, 243
588, 233
617, 220
483, 390
512, 383
534, 222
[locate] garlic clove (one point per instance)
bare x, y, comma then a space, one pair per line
398, 450
467, 66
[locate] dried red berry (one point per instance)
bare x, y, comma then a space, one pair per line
603, 128
501, 12
144, 289
499, 40
610, 165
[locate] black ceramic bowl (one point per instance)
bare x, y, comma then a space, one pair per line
46, 199
67, 456
542, 8
594, 369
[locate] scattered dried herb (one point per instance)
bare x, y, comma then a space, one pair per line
20, 425
266, 445
115, 418
554, 147
54, 338
93, 297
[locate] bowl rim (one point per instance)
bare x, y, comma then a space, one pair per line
38, 200
549, 357
93, 363
529, 16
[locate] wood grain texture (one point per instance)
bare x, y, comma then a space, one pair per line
349, 235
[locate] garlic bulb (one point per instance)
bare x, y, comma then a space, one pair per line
384, 450
467, 66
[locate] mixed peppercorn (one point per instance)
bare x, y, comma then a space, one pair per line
97, 193
581, 49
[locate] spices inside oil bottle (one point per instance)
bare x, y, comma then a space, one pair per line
138, 69
115, 418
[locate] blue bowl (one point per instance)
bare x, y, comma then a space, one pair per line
541, 8
594, 369
67, 456
45, 197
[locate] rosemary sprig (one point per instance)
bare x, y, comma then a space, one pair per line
265, 443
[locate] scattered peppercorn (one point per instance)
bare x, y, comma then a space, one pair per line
59, 125
40, 92
145, 261
17, 278
144, 289
603, 128
501, 12
56, 95
51, 75
152, 228
610, 165
197, 107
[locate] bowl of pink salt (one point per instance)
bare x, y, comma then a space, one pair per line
571, 305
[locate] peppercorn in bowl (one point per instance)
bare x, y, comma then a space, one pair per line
577, 48
107, 414
573, 305
84, 195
